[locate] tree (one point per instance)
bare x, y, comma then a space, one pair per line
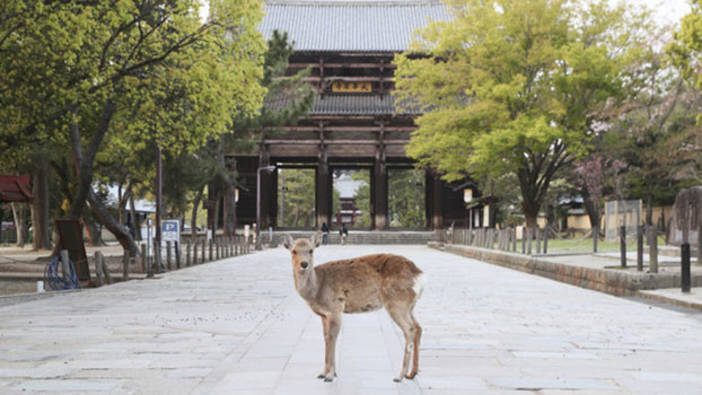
512, 87
406, 198
296, 189
593, 174
130, 70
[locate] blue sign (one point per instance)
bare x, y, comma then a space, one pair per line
170, 230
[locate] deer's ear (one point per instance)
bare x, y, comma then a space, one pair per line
316, 239
287, 241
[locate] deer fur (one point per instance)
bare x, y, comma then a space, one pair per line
358, 285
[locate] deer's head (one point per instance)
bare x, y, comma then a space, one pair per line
301, 251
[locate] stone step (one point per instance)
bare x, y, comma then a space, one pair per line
365, 237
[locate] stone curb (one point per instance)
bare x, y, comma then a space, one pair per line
669, 300
609, 281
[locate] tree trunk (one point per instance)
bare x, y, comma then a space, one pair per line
193, 216
134, 223
93, 233
40, 206
593, 213
120, 231
18, 215
215, 217
83, 162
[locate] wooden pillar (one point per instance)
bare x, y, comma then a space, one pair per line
380, 184
266, 189
323, 187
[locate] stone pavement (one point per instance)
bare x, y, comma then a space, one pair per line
237, 327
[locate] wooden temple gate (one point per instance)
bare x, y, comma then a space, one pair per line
354, 120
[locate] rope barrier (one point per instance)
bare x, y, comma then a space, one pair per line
57, 279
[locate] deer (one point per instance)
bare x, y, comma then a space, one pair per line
358, 285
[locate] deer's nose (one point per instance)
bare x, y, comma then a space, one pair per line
304, 265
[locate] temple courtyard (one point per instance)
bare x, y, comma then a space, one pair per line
237, 326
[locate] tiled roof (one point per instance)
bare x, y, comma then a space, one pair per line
347, 105
363, 26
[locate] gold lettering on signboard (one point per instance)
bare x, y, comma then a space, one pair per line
345, 86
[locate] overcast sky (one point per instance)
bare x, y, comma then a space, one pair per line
666, 11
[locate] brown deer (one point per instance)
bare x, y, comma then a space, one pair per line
358, 285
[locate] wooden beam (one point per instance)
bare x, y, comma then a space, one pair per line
345, 78
343, 65
349, 128
334, 142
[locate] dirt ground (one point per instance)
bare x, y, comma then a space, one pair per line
31, 265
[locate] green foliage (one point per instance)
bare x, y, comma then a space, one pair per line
296, 197
512, 86
686, 48
406, 198
361, 198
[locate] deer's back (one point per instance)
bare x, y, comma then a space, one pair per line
366, 282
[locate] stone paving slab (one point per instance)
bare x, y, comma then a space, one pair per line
237, 327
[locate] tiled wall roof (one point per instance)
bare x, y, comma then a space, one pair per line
350, 26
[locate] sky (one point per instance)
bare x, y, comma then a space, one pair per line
665, 11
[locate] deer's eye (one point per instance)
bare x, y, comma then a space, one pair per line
294, 252
311, 251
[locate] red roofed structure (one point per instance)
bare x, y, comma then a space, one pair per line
15, 189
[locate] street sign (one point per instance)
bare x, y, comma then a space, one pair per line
170, 230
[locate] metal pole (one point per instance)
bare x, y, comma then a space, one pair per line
159, 203
622, 245
685, 267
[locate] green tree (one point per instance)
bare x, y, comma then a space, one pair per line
296, 194
512, 87
406, 198
126, 71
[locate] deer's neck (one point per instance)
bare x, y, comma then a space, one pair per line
307, 284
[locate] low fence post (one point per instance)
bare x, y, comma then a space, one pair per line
652, 249
204, 251
98, 268
639, 248
595, 237
168, 255
685, 267
530, 237
178, 252
622, 245
547, 229
125, 265
524, 233
538, 239
144, 260
194, 261
157, 255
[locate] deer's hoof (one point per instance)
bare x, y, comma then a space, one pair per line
397, 379
411, 375
321, 376
328, 379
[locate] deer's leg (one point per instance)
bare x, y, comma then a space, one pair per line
325, 328
334, 326
415, 355
400, 314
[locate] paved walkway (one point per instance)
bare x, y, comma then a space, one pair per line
237, 327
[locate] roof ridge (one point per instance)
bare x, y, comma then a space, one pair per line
354, 3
